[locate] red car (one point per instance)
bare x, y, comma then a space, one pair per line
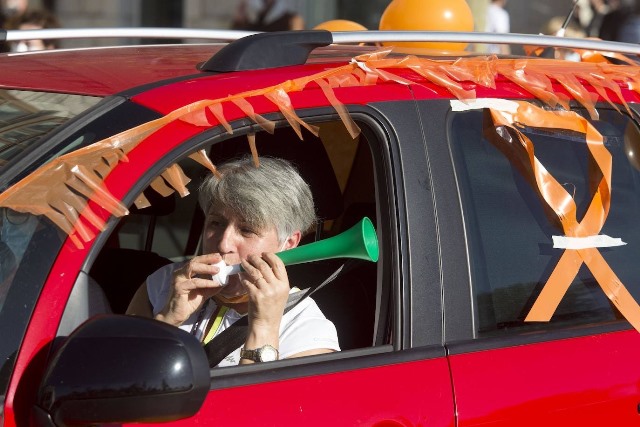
505, 194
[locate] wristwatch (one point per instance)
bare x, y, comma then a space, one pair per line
266, 353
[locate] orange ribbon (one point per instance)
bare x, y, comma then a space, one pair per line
564, 206
46, 191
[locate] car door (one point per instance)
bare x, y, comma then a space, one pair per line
389, 373
383, 380
579, 367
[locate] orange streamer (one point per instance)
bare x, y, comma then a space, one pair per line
202, 158
352, 127
38, 192
141, 201
177, 179
563, 204
247, 108
217, 111
280, 97
251, 137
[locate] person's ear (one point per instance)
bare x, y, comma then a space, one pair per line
292, 241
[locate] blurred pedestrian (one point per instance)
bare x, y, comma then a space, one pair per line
556, 27
266, 15
630, 31
498, 21
13, 8
621, 23
34, 19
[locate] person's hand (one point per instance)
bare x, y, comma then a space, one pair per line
268, 285
192, 285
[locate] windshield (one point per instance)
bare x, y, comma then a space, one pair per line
26, 116
29, 245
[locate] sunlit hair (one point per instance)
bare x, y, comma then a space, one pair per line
273, 194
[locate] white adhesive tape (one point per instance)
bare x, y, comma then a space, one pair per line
478, 104
599, 241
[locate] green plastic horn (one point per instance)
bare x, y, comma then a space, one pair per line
360, 241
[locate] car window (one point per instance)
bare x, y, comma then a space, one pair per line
510, 230
341, 175
26, 116
28, 246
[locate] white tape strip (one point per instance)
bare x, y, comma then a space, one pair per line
478, 104
225, 271
599, 241
361, 65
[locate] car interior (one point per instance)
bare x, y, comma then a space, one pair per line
341, 175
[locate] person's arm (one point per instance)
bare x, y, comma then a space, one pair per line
312, 352
268, 287
308, 332
140, 304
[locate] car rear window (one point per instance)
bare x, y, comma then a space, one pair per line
510, 228
26, 116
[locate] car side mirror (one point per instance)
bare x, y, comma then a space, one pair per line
119, 369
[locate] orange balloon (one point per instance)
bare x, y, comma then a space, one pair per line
427, 15
340, 25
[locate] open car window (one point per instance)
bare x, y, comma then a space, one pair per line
342, 177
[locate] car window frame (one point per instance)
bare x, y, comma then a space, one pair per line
376, 126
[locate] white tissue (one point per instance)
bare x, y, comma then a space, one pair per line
225, 271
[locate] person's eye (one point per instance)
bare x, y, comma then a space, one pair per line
248, 231
213, 223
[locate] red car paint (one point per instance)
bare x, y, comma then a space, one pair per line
528, 383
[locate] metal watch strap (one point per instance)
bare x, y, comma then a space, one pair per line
249, 354
256, 354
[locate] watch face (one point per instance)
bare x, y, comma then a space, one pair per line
268, 354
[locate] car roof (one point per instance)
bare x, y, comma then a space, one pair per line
104, 71
101, 71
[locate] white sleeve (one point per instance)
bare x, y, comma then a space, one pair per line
306, 328
158, 284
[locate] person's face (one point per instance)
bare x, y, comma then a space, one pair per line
235, 240
13, 7
29, 45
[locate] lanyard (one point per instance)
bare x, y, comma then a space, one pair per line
221, 311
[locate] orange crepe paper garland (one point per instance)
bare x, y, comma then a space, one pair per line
46, 192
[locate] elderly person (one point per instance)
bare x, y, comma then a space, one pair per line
250, 213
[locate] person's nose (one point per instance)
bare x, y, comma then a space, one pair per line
227, 241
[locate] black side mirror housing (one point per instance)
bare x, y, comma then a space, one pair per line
119, 369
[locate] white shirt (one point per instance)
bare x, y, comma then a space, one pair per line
303, 328
497, 22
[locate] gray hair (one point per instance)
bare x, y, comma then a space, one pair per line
273, 194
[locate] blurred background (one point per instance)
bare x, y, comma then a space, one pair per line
526, 16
